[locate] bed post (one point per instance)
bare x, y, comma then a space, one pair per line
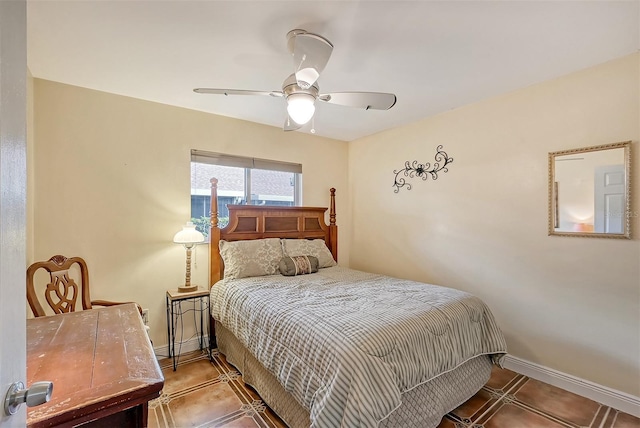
214, 235
333, 228
214, 254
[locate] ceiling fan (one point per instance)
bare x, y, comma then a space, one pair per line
310, 54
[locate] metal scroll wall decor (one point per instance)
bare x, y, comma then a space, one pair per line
421, 170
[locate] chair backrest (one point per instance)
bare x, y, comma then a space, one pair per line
62, 291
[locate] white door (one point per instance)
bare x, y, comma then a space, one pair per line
13, 185
609, 199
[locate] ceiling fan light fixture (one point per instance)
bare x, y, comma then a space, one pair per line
301, 107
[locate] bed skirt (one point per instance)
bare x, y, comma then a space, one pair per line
421, 407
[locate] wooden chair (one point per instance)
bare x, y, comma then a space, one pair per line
62, 291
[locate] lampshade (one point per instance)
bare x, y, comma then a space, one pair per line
188, 235
300, 107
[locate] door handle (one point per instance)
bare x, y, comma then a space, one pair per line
38, 393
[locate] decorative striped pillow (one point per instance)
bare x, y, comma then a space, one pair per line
298, 265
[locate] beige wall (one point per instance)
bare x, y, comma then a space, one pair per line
112, 182
571, 304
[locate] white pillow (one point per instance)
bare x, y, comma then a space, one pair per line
309, 247
257, 257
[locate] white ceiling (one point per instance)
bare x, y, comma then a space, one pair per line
434, 55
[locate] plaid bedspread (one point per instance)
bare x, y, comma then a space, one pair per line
346, 343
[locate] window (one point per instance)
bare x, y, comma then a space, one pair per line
241, 180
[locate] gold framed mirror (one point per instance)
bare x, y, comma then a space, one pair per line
589, 191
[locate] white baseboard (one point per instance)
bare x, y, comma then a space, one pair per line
619, 400
189, 345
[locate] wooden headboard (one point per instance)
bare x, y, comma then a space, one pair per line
264, 221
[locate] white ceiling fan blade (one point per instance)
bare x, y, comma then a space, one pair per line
290, 124
365, 100
311, 53
236, 92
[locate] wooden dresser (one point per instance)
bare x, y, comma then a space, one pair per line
101, 364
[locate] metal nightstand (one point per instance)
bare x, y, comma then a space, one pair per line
177, 306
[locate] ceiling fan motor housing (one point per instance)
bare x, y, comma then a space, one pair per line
290, 86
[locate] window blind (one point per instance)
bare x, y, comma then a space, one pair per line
213, 158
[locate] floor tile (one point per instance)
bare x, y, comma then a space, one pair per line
512, 416
242, 422
476, 405
557, 402
447, 423
623, 420
501, 378
189, 375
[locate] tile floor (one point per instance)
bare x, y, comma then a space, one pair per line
211, 394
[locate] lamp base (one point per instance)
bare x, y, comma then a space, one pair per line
184, 289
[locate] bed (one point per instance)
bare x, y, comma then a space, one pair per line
336, 347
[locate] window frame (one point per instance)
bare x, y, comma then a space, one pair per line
249, 164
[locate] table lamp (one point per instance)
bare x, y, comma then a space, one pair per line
188, 237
